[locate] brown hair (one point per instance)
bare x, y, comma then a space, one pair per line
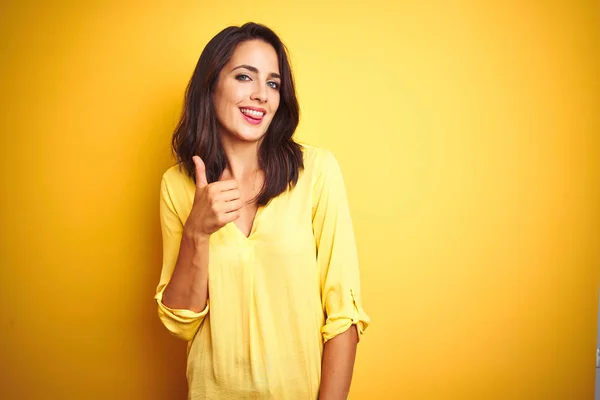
280, 157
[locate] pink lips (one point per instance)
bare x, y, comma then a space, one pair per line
252, 120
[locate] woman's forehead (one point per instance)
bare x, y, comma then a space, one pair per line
255, 53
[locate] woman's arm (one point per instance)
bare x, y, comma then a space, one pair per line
214, 206
345, 319
338, 364
182, 293
188, 287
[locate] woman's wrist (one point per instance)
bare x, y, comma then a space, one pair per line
195, 237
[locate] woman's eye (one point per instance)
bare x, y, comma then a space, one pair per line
274, 85
242, 77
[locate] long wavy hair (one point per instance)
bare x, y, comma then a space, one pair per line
197, 132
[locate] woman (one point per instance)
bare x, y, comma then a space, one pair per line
260, 272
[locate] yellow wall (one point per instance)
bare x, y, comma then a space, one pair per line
469, 137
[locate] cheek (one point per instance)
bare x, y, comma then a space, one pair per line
225, 102
230, 94
219, 103
275, 104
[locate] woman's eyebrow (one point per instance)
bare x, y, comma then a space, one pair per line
255, 70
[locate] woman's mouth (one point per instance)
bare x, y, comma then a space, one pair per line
252, 116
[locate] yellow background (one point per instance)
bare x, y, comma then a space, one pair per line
469, 137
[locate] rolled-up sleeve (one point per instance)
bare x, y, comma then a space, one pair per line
336, 251
181, 323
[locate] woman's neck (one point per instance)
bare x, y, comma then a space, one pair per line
242, 158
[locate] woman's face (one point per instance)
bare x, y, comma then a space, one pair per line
247, 93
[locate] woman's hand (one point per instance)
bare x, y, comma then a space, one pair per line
215, 205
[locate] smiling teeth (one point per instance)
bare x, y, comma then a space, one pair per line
252, 112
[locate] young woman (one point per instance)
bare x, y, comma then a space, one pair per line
260, 272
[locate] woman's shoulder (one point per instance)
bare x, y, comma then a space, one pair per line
177, 180
318, 159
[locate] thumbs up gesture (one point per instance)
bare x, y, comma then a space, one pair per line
215, 205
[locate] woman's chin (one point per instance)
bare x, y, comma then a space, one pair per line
246, 136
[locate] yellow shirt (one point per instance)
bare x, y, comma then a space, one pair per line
276, 296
